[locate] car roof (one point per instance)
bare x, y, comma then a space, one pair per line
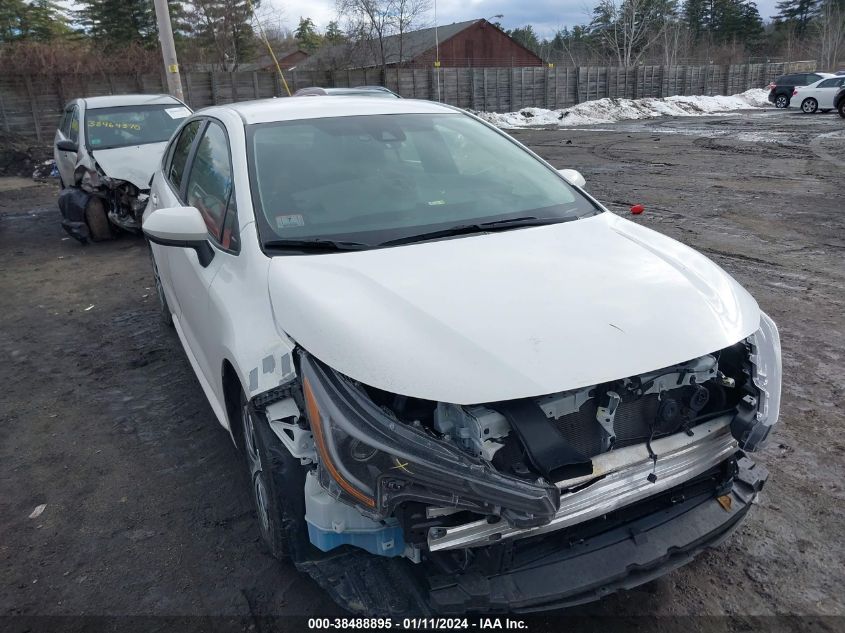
342, 92
118, 101
287, 109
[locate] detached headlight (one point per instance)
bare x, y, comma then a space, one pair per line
765, 361
375, 462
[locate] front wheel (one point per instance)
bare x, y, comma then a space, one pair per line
277, 483
97, 220
781, 101
809, 106
841, 109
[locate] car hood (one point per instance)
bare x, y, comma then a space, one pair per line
135, 163
509, 315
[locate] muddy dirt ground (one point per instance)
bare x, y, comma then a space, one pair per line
147, 510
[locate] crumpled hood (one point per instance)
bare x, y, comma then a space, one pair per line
135, 163
509, 315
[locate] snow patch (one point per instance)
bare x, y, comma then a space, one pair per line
614, 110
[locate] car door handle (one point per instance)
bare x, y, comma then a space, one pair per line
154, 198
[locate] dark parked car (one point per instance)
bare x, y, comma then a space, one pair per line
780, 90
839, 102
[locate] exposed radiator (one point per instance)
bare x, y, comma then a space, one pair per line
631, 423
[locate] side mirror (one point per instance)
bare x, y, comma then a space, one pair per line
67, 146
573, 177
182, 227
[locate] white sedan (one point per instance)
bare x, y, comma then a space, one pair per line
445, 362
818, 95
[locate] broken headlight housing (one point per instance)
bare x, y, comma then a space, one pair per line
766, 369
373, 461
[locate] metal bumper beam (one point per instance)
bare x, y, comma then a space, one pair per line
623, 481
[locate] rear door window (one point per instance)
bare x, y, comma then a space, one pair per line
834, 82
179, 157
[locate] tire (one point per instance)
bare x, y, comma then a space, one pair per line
277, 485
97, 220
166, 314
781, 101
809, 106
841, 109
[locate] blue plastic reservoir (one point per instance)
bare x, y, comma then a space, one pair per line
386, 541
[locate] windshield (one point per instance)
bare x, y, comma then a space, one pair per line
378, 178
107, 128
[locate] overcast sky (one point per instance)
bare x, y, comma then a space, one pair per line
546, 16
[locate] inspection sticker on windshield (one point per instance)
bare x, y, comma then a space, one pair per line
177, 113
287, 221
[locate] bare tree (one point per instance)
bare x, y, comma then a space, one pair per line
408, 15
372, 22
830, 26
630, 28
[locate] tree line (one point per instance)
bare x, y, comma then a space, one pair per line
226, 34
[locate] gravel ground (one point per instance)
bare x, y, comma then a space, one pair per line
147, 510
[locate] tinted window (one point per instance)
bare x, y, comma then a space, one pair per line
832, 83
132, 125
811, 79
73, 133
210, 180
180, 154
380, 177
64, 126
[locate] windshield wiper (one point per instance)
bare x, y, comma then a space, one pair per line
478, 227
316, 244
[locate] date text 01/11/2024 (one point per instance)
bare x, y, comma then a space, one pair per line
418, 624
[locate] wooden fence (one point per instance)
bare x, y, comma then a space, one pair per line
30, 105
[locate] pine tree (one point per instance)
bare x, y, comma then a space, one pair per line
118, 23
697, 16
797, 12
306, 35
333, 34
38, 20
224, 28
526, 36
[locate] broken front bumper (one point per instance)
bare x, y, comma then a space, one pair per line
619, 478
555, 570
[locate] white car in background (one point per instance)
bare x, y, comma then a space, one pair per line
106, 150
818, 95
448, 365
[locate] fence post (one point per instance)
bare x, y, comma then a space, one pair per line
512, 79
234, 81
431, 88
189, 90
212, 76
33, 106
484, 85
255, 84
577, 84
522, 87
727, 80
3, 113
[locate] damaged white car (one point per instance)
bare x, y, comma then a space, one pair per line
459, 383
106, 150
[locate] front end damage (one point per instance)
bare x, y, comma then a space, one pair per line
93, 192
523, 505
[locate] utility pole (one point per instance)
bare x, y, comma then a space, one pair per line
168, 49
